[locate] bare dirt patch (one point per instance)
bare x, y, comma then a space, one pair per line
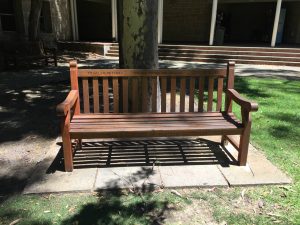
198, 212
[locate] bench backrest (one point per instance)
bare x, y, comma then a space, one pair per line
107, 90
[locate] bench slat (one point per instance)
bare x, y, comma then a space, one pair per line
157, 126
166, 132
134, 95
219, 94
230, 82
96, 94
201, 94
192, 95
86, 95
116, 94
125, 94
144, 94
154, 94
105, 95
137, 120
153, 126
210, 94
218, 72
149, 117
153, 115
163, 93
149, 120
173, 94
182, 94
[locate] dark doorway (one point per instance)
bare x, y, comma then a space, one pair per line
94, 20
245, 23
291, 31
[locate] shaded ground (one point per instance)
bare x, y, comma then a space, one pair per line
28, 97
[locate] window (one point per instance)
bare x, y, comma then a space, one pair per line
7, 17
45, 18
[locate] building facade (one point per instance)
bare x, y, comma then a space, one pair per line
55, 20
209, 22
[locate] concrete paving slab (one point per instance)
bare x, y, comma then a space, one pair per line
127, 177
258, 171
192, 176
42, 181
166, 176
78, 180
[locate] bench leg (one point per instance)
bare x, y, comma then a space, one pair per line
80, 143
55, 60
67, 147
244, 145
223, 140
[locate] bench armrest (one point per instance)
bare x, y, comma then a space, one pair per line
244, 103
64, 108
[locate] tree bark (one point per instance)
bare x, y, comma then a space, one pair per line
138, 41
34, 19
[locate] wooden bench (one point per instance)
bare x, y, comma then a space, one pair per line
98, 106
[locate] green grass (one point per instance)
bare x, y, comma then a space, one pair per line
113, 208
275, 130
276, 127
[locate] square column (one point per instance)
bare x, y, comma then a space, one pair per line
213, 21
73, 10
276, 22
114, 20
160, 20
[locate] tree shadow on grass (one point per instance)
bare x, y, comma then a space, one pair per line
242, 85
285, 127
141, 206
137, 205
112, 210
282, 72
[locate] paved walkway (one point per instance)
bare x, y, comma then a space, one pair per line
156, 163
242, 69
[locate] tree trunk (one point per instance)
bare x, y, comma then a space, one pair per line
34, 19
138, 43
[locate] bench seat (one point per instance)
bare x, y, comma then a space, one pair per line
153, 125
